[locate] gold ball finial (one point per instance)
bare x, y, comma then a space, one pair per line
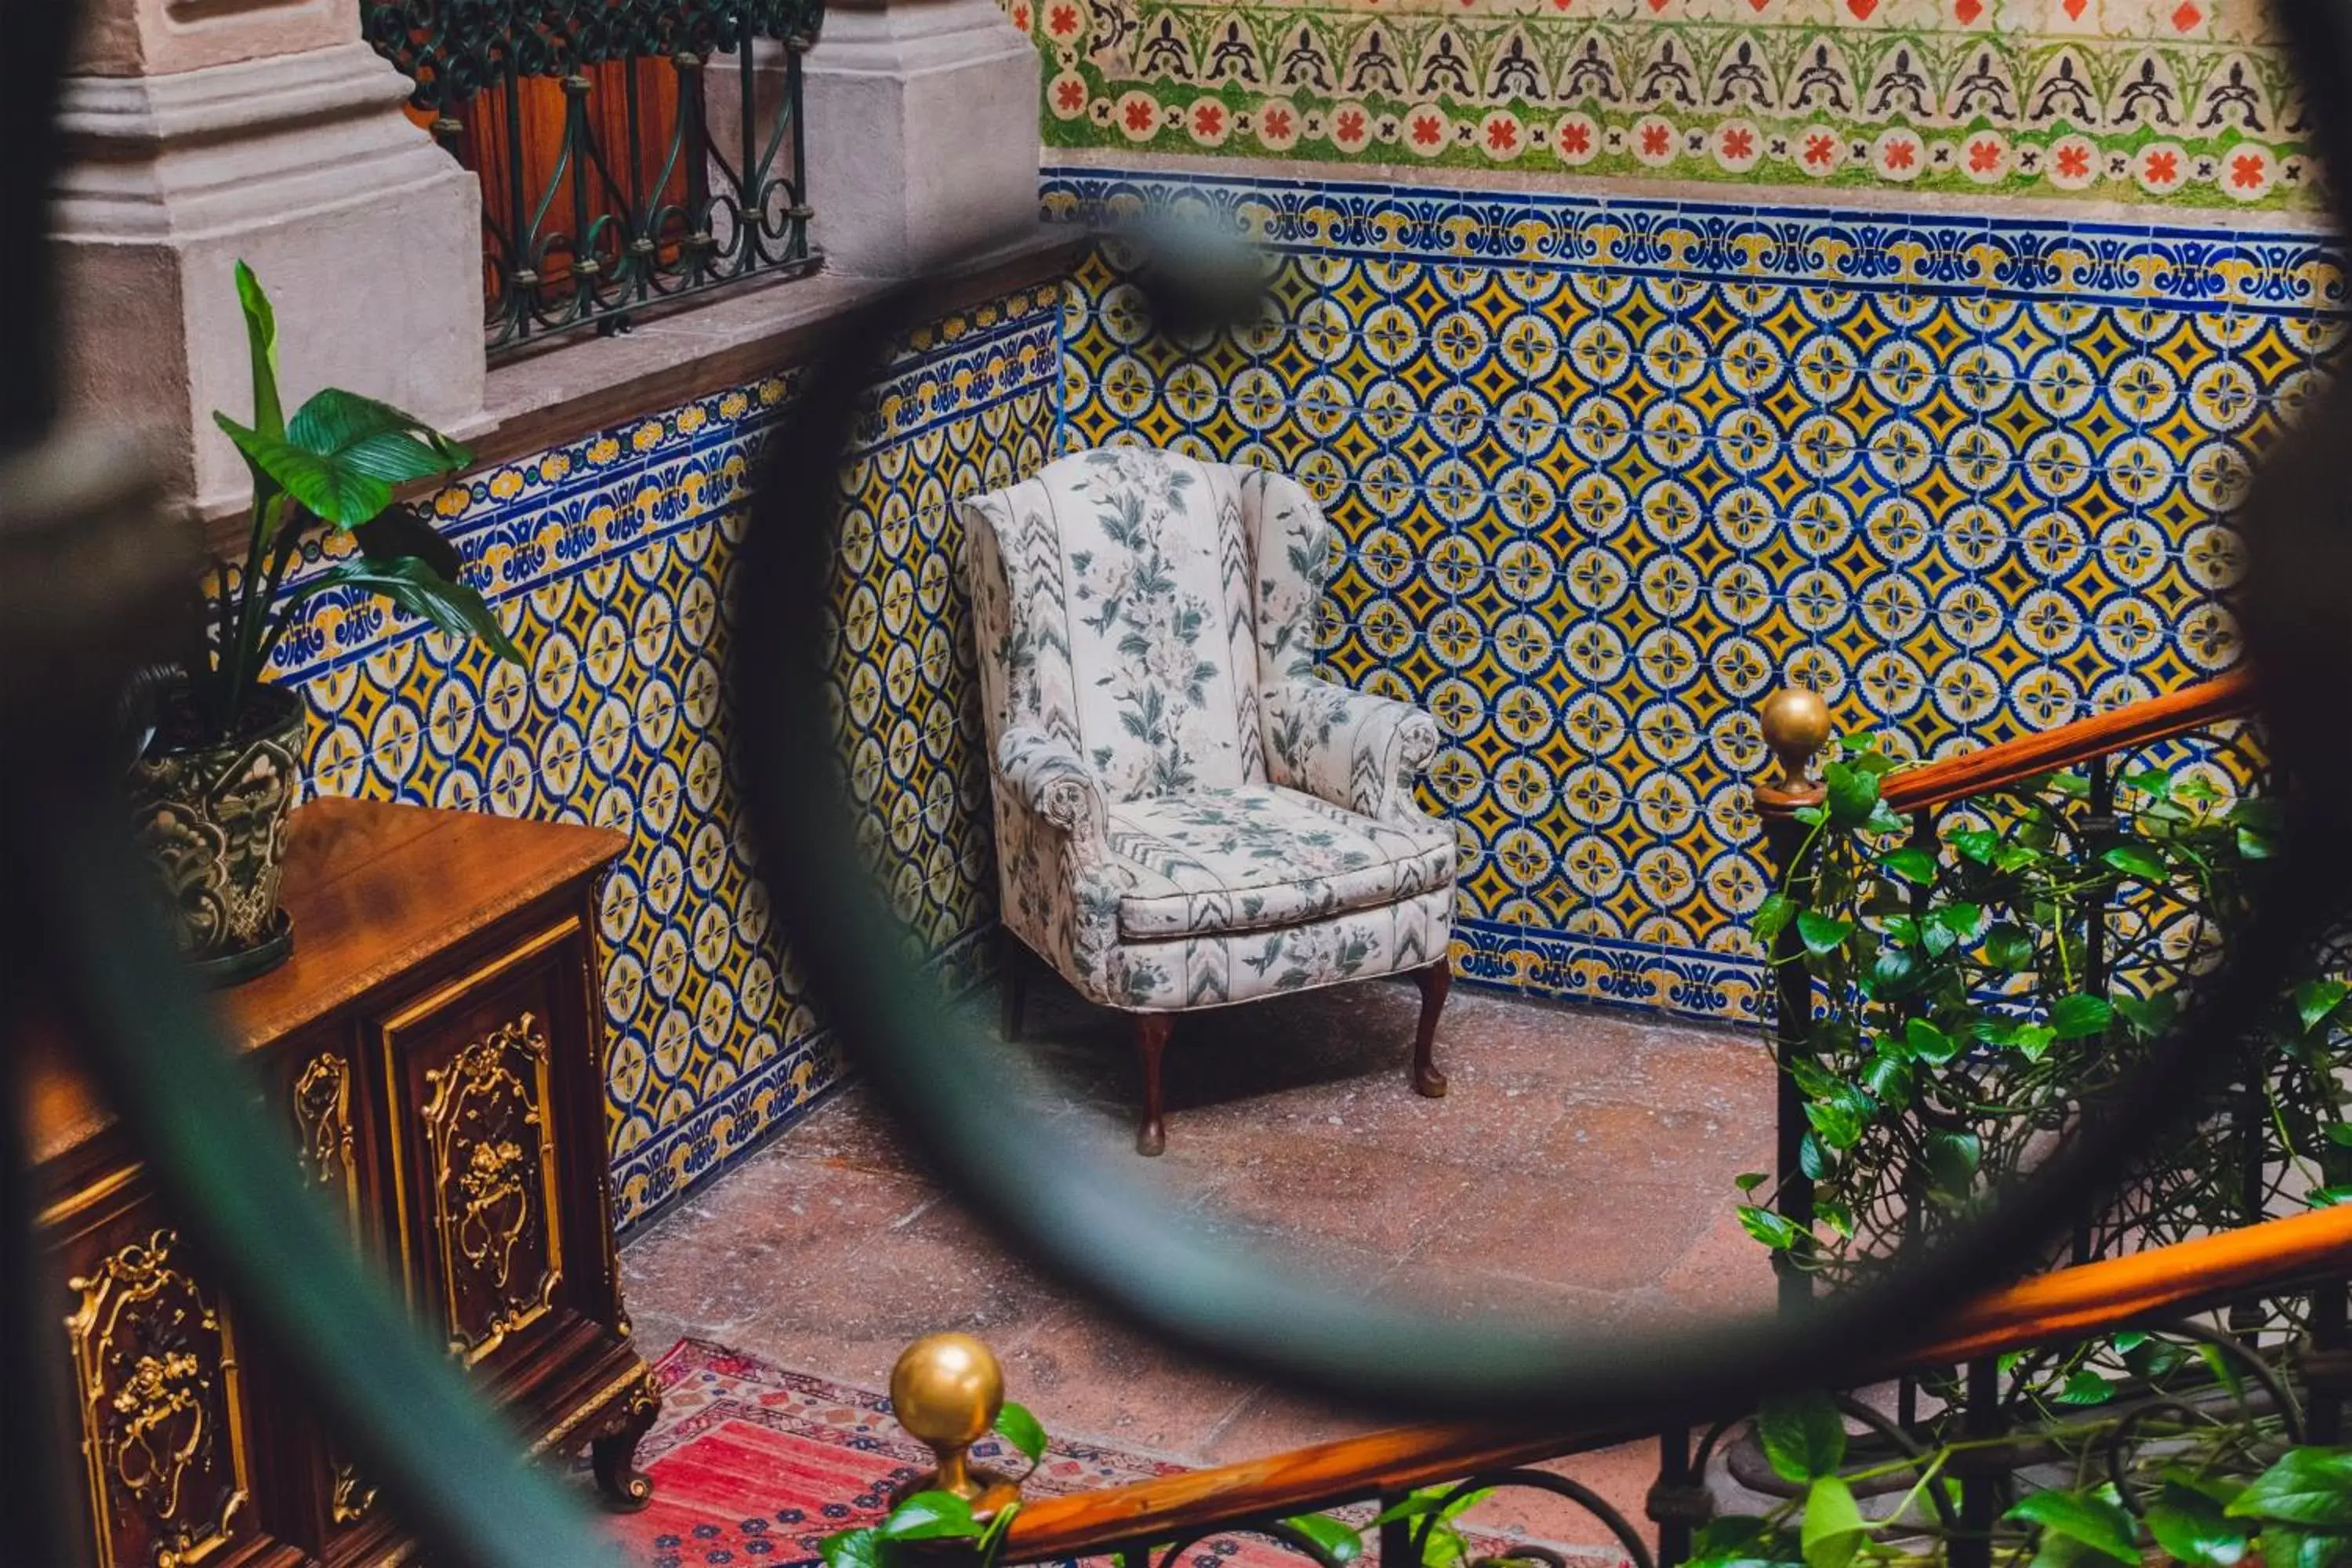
1796, 724
947, 1391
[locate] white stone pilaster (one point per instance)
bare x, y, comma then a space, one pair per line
366, 236
921, 132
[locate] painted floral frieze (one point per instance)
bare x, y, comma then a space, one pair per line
2187, 103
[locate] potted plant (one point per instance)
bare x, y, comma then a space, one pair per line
221, 770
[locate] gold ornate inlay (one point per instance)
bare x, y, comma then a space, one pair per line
484, 1124
157, 1376
322, 1127
353, 1497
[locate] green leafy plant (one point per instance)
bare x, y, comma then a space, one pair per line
2211, 1495
1964, 1021
331, 467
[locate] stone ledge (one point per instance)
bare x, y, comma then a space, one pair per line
577, 384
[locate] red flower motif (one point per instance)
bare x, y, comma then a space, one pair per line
1425, 131
1901, 154
1984, 157
1351, 125
2246, 172
1209, 119
1739, 142
1575, 139
1275, 124
1021, 18
2074, 163
1062, 21
1071, 95
1141, 116
1656, 139
1820, 147
1501, 135
2163, 168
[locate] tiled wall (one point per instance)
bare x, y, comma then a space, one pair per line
1609, 471
609, 561
2162, 103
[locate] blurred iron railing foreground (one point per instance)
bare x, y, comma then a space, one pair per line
625, 162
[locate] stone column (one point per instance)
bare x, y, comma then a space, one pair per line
198, 134
921, 132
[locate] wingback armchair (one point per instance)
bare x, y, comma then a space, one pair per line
1186, 817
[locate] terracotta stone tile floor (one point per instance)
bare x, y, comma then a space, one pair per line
1579, 1172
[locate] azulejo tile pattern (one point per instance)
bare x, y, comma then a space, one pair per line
2154, 101
1606, 473
609, 561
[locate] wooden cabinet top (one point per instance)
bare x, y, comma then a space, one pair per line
375, 891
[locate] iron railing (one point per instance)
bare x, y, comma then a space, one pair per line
624, 160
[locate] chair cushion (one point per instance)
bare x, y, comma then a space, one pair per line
1256, 855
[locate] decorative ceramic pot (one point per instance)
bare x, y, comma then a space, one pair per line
212, 817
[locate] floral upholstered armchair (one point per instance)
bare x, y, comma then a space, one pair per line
1186, 817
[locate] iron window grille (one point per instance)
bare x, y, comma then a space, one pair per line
624, 160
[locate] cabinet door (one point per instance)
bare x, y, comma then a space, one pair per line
157, 1388
475, 1128
322, 1102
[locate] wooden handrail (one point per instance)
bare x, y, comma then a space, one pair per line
2011, 762
2066, 1304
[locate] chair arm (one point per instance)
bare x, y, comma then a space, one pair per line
1347, 747
1047, 775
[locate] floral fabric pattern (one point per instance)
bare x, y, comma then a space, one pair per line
1185, 815
1244, 859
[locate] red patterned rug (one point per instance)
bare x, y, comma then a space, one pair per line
753, 1463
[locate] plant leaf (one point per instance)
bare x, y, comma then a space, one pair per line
1772, 917
2147, 1016
2192, 1528
1850, 792
2092, 1518
1803, 1436
2310, 1487
2316, 999
1822, 934
416, 587
373, 438
399, 531
1833, 1526
261, 347
2134, 861
1911, 863
929, 1516
327, 490
2284, 1548
2079, 1016
1338, 1541
851, 1549
1022, 1430
1952, 1160
1929, 1044
1775, 1231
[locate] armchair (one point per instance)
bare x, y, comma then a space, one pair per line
1186, 817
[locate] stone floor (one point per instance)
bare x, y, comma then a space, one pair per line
1580, 1174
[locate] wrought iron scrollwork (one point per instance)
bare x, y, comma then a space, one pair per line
641, 194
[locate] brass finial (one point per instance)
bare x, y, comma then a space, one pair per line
946, 1391
1796, 724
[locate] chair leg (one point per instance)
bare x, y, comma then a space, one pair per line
1012, 984
1434, 981
1151, 1032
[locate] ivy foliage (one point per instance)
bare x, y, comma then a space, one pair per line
1968, 1005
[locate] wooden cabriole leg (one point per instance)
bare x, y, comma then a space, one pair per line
1012, 982
1151, 1032
613, 1452
1434, 981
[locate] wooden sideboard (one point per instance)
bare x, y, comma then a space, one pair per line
435, 1051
